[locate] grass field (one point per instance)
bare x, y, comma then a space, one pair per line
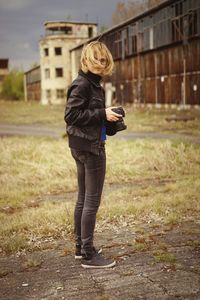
136, 119
146, 180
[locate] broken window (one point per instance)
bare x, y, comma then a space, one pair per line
177, 29
58, 50
184, 24
110, 42
59, 30
90, 32
59, 72
177, 21
125, 43
132, 39
192, 20
46, 51
60, 93
118, 45
178, 8
47, 73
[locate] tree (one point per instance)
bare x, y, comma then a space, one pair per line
13, 86
103, 28
152, 3
124, 11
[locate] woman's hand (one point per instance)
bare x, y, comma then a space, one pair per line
111, 116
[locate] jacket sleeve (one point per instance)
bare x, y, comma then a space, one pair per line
77, 111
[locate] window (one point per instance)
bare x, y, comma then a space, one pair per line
177, 22
118, 45
59, 30
58, 50
67, 30
110, 42
46, 51
132, 39
60, 93
47, 73
125, 43
90, 32
192, 20
59, 72
179, 8
48, 94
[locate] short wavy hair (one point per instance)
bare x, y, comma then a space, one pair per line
90, 56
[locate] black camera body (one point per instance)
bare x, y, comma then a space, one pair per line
120, 125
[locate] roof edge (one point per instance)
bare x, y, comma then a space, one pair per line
132, 19
70, 22
36, 67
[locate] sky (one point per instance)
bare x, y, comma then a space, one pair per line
22, 24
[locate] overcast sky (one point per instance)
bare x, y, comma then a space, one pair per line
21, 24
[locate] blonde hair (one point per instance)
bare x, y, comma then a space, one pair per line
90, 56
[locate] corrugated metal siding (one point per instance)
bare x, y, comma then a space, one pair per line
149, 53
33, 84
157, 77
34, 91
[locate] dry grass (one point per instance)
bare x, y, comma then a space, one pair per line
152, 180
151, 120
164, 256
137, 119
34, 166
20, 112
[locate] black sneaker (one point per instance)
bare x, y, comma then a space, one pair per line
79, 255
97, 262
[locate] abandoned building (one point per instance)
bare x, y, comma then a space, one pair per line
4, 69
32, 84
55, 61
157, 56
48, 82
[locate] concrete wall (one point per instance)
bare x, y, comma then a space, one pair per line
51, 85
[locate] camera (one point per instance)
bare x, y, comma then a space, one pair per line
120, 125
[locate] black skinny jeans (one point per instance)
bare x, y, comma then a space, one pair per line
90, 173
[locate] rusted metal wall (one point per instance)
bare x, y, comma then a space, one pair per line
157, 76
33, 84
150, 52
34, 91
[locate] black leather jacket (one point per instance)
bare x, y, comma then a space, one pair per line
85, 113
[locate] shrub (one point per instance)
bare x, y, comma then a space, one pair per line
12, 86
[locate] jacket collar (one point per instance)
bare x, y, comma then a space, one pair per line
93, 78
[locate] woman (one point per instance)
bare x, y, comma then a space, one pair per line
88, 122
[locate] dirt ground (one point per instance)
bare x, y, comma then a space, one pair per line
153, 262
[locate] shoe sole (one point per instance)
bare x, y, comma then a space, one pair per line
98, 267
80, 256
